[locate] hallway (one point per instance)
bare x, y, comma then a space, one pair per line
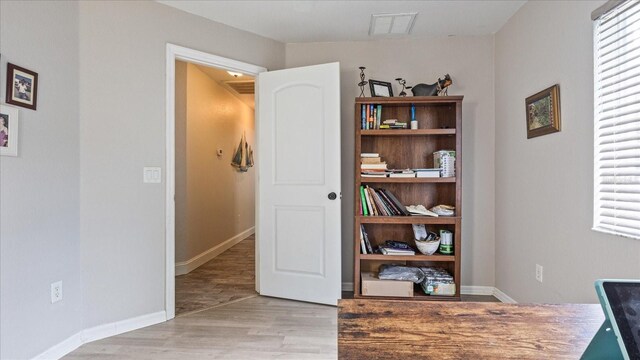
228, 277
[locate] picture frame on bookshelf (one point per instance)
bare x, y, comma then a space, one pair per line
380, 88
543, 112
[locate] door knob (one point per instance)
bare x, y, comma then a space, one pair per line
332, 196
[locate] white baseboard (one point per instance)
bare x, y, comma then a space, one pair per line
503, 297
123, 326
347, 286
100, 332
61, 349
185, 267
476, 290
465, 290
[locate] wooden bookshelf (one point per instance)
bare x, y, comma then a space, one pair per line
439, 128
389, 180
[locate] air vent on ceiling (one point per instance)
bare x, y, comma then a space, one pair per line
391, 24
243, 87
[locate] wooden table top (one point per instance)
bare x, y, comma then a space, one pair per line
378, 329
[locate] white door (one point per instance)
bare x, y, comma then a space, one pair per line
298, 220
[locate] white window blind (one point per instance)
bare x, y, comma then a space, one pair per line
617, 120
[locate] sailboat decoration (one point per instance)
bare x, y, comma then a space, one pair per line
243, 157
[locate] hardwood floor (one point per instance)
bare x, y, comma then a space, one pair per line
228, 277
254, 328
220, 316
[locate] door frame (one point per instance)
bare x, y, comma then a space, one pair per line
176, 52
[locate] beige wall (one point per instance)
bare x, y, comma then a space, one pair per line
544, 186
122, 129
469, 60
218, 201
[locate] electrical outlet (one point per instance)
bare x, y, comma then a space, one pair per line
539, 272
56, 292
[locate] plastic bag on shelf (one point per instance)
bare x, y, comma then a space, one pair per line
399, 272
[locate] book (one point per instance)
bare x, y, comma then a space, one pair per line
377, 208
363, 202
390, 205
363, 124
379, 114
375, 116
386, 251
366, 239
369, 202
398, 205
382, 210
369, 155
370, 160
402, 173
427, 173
372, 113
374, 174
366, 126
393, 247
380, 166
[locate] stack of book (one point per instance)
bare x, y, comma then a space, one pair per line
371, 165
371, 117
393, 124
380, 202
392, 247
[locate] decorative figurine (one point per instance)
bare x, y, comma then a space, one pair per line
362, 82
403, 82
439, 88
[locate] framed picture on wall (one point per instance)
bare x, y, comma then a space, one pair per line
543, 112
380, 88
8, 130
22, 87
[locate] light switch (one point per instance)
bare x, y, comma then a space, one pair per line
152, 175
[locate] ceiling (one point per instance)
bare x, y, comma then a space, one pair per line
222, 77
318, 21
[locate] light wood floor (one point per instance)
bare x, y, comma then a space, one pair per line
228, 277
221, 317
254, 328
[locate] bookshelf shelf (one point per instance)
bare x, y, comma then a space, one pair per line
408, 132
407, 257
439, 128
389, 180
407, 220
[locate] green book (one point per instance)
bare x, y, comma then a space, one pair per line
363, 202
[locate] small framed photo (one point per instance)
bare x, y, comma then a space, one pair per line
8, 130
380, 88
543, 112
22, 87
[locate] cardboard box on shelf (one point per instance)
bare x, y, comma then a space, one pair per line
372, 286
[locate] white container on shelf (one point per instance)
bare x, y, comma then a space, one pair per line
446, 161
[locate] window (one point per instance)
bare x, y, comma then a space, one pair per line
617, 119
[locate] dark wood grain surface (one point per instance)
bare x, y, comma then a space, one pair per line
378, 329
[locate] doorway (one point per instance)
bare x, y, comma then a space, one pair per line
215, 187
206, 239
